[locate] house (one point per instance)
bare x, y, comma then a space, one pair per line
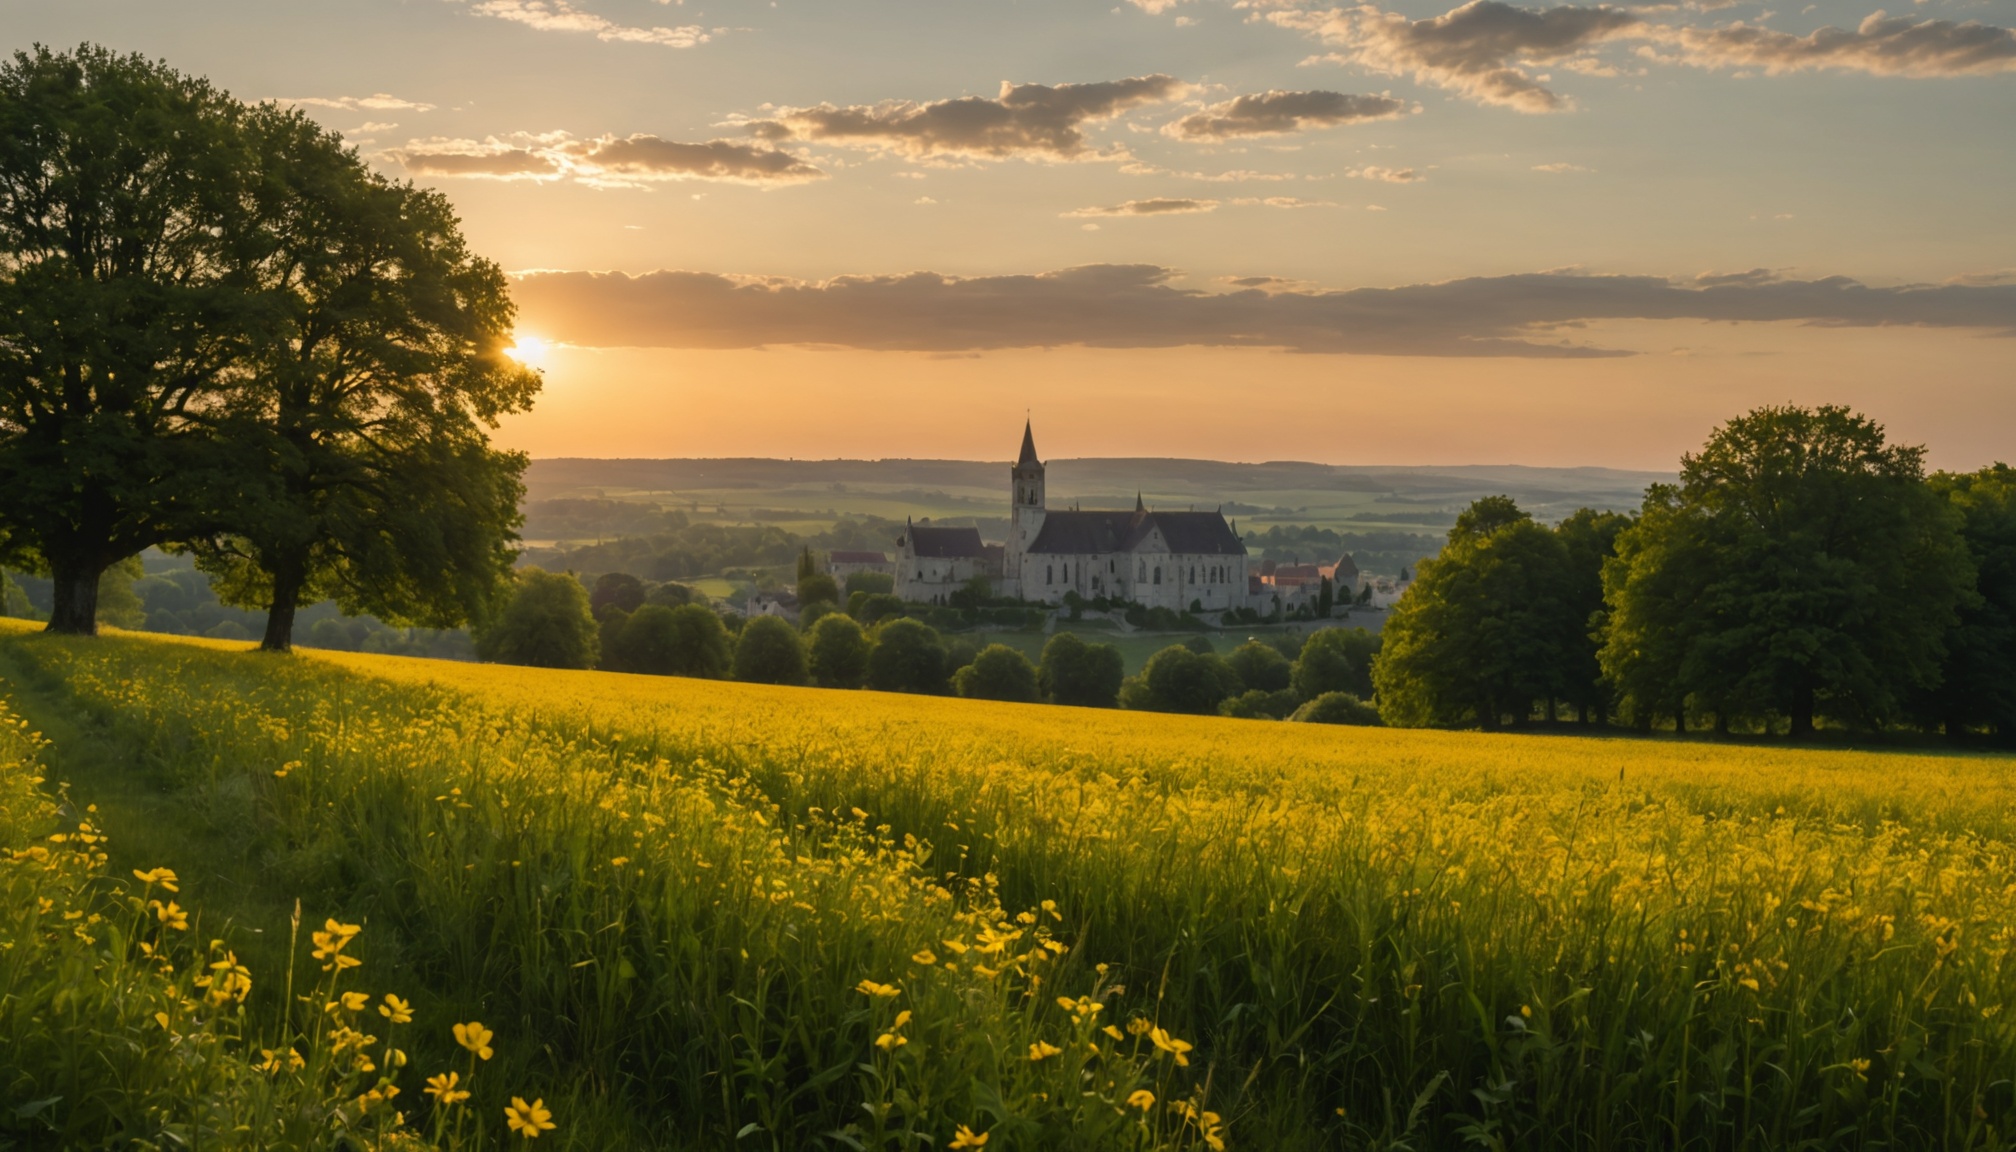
777, 603
932, 563
841, 565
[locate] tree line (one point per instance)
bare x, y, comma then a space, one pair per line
222, 334
624, 624
1803, 571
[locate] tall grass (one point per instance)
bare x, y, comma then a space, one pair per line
685, 905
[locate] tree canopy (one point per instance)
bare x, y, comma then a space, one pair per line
997, 672
545, 624
1074, 672
769, 651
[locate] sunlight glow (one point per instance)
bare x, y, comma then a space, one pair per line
531, 351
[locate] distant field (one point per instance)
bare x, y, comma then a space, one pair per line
715, 915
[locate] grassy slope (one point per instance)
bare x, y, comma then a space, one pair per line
1709, 937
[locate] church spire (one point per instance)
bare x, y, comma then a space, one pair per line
1028, 447
1138, 506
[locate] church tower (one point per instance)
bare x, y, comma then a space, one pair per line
1026, 511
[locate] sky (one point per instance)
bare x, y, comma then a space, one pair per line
1392, 233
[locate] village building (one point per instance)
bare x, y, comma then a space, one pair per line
842, 564
774, 603
932, 563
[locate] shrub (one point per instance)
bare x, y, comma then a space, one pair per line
1086, 675
546, 624
1179, 680
1260, 666
1255, 704
907, 657
997, 673
1337, 708
838, 656
1336, 660
684, 641
770, 652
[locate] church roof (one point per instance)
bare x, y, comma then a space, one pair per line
945, 543
1028, 447
1191, 533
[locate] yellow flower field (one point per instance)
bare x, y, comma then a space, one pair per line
716, 915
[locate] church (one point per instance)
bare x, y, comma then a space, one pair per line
1175, 560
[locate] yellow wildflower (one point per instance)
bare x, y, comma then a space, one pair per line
475, 1038
1042, 1050
967, 1138
528, 1120
443, 1089
171, 914
924, 956
882, 991
1171, 1045
1141, 1098
396, 1010
165, 877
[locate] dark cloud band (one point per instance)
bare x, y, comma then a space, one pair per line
1139, 306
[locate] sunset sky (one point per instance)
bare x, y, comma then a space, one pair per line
1238, 229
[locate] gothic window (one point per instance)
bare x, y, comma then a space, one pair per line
1158, 574
1049, 574
1143, 574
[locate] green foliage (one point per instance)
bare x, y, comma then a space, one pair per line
124, 318
1589, 539
769, 651
619, 591
1260, 666
997, 672
1177, 679
817, 588
545, 624
1259, 704
907, 656
1801, 568
1337, 708
1481, 633
1335, 660
874, 608
838, 656
685, 641
870, 584
1977, 681
1080, 674
118, 605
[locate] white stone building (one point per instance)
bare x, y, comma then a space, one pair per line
932, 563
1175, 560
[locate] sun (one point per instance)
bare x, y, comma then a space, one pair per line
531, 351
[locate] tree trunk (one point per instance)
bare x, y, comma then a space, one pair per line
1721, 722
287, 583
1680, 720
75, 611
1802, 713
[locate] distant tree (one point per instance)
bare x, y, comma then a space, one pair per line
127, 315
998, 672
838, 656
810, 614
618, 590
1823, 574
769, 651
869, 583
1179, 680
685, 641
609, 626
1201, 645
807, 565
875, 608
1977, 683
545, 624
118, 605
1076, 673
1335, 660
907, 656
1478, 636
817, 588
1326, 599
1256, 704
974, 593
1337, 708
1260, 666
1588, 539
672, 595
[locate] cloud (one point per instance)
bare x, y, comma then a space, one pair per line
379, 102
1153, 207
1154, 7
1491, 52
562, 16
1290, 202
1278, 113
605, 161
1881, 45
1038, 121
1389, 175
1141, 306
1560, 167
1485, 49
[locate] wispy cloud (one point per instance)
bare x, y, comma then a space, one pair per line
563, 16
1389, 175
380, 102
1035, 121
1159, 206
1142, 306
1560, 167
605, 161
1278, 113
